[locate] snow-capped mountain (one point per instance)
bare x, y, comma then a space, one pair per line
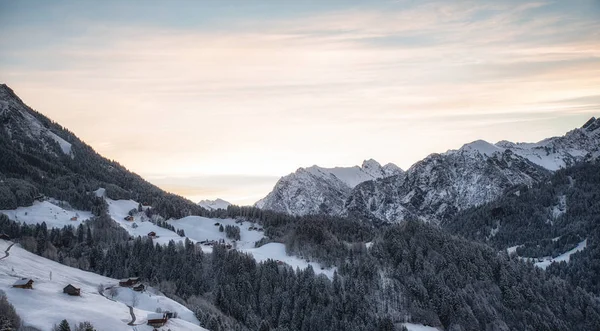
19, 120
317, 190
214, 204
441, 184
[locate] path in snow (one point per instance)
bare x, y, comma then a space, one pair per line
6, 252
132, 315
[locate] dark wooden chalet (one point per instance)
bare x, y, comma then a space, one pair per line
139, 288
152, 234
127, 282
129, 218
72, 290
4, 236
157, 319
24, 283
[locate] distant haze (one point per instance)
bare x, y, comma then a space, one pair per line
220, 98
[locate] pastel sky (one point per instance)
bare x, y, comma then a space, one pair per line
220, 98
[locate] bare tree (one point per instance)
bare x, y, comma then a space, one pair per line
113, 291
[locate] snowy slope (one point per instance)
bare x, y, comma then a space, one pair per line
201, 228
318, 190
17, 118
442, 184
563, 257
276, 251
214, 204
46, 305
119, 209
46, 211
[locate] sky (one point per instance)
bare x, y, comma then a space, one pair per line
215, 99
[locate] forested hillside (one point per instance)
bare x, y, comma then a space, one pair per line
41, 157
547, 219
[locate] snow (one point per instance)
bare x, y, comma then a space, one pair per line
513, 249
149, 300
561, 207
199, 228
46, 211
101, 192
419, 327
64, 145
482, 147
214, 204
276, 251
119, 209
47, 305
563, 257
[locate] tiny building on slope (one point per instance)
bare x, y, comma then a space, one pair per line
24, 283
157, 319
139, 288
127, 282
151, 234
72, 290
4, 236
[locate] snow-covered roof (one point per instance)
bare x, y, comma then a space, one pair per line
23, 281
156, 316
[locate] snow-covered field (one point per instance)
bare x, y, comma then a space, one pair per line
563, 257
419, 327
201, 228
46, 304
119, 209
196, 228
46, 211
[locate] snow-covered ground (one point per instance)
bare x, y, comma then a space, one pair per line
419, 327
196, 228
46, 211
119, 209
276, 251
201, 228
46, 304
563, 257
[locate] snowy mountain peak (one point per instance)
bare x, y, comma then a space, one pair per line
591, 125
482, 147
214, 204
315, 189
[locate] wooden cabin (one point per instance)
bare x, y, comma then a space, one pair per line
74, 218
157, 319
72, 290
139, 288
129, 218
127, 282
152, 234
24, 283
4, 236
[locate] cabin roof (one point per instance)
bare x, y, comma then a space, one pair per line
156, 316
71, 286
23, 281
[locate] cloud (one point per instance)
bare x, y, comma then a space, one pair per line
265, 95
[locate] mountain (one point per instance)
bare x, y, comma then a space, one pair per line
553, 221
437, 187
318, 190
41, 157
214, 204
